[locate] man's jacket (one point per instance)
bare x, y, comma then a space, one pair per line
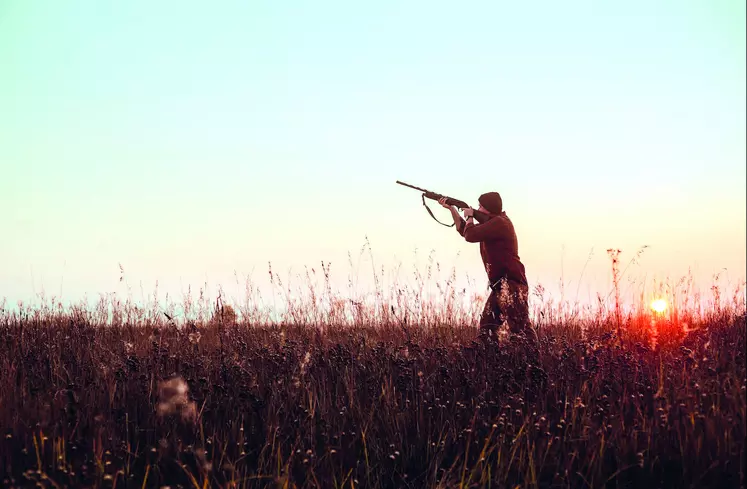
498, 246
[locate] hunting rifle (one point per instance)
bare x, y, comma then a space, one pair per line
479, 216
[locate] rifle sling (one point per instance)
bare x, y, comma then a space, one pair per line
434, 217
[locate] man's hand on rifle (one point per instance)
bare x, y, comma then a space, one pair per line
443, 203
468, 212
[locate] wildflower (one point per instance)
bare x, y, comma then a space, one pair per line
194, 338
305, 362
173, 399
201, 457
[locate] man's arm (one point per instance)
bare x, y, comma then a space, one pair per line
459, 223
470, 222
494, 228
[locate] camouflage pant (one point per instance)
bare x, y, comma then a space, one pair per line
508, 302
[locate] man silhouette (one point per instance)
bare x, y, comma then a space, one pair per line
508, 299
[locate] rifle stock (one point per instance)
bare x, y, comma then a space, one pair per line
460, 204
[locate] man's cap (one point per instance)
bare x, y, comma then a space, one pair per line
492, 202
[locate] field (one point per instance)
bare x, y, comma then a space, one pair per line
393, 392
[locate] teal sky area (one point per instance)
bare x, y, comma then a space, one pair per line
193, 142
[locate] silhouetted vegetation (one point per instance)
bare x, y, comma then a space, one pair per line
126, 397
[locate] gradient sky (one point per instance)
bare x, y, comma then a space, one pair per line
193, 142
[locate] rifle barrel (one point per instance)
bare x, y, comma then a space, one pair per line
412, 186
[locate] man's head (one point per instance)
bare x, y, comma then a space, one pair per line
491, 202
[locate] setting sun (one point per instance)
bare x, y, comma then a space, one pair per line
659, 305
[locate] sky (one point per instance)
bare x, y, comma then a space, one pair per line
196, 143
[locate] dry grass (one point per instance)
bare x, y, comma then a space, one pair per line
386, 390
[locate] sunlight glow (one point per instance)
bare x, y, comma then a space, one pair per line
659, 305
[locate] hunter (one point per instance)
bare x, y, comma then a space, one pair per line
508, 299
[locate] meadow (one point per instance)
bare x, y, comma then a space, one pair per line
391, 391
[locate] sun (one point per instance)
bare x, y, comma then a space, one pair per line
659, 305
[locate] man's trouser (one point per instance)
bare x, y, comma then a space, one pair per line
508, 302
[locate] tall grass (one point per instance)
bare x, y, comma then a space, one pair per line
386, 389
